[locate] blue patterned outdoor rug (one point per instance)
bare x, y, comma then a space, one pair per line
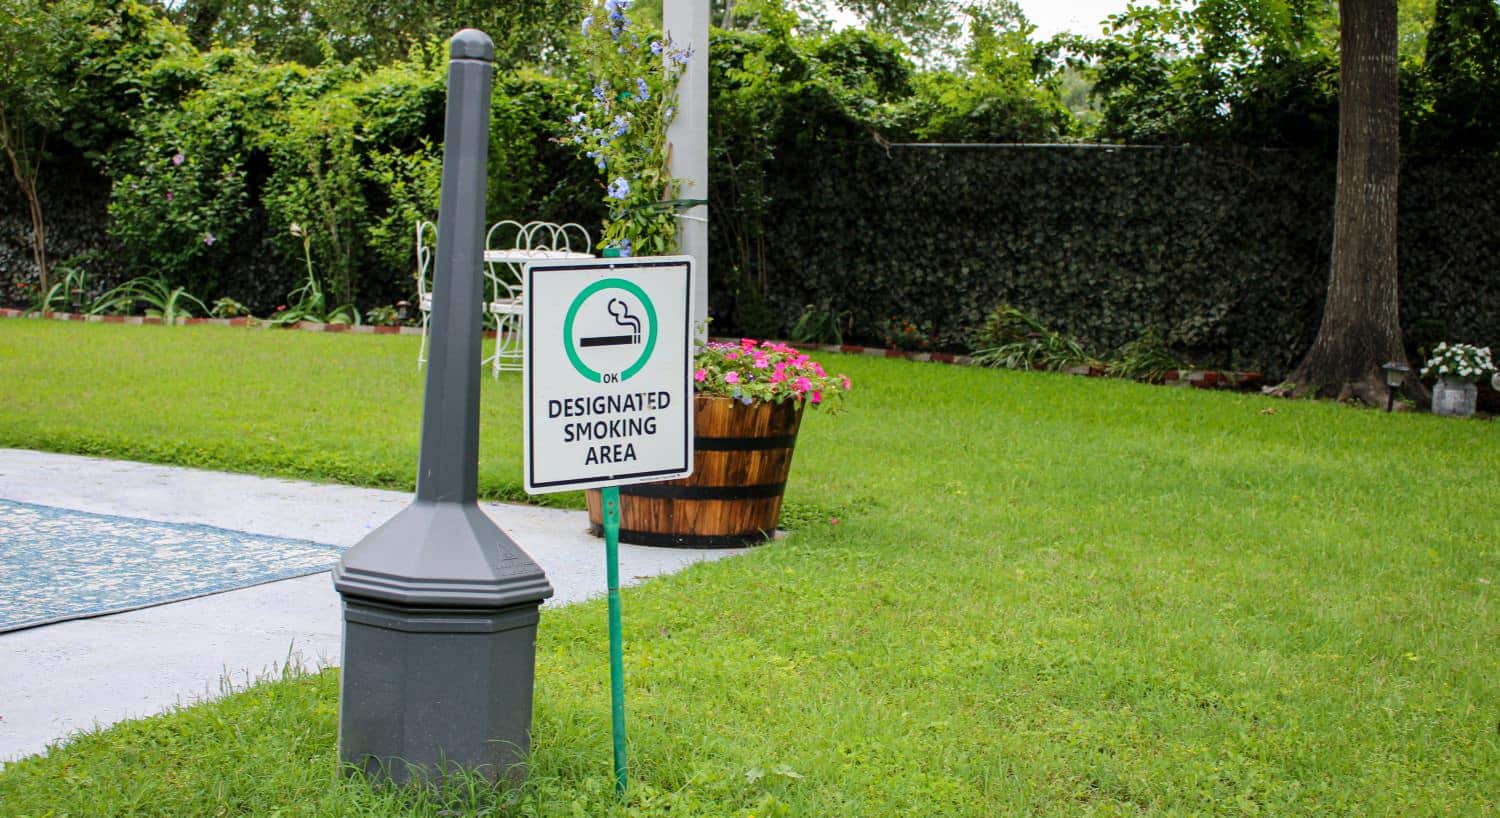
57, 564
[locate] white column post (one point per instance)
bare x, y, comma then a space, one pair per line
686, 23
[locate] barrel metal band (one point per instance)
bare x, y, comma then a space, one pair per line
659, 540
743, 444
670, 492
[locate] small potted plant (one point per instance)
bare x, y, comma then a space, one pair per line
386, 320
1457, 367
229, 309
749, 399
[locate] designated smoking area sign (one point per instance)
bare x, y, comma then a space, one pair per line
608, 374
609, 398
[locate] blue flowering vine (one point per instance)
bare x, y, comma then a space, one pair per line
620, 127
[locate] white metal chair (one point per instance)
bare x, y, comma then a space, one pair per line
426, 248
509, 245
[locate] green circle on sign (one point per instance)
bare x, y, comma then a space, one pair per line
628, 286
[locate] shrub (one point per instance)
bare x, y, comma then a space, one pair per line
819, 324
903, 334
407, 184
315, 182
1147, 358
182, 191
1015, 339
228, 308
1464, 361
158, 298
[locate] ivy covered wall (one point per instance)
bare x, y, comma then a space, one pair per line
1224, 250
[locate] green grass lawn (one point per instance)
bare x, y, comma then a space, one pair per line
1043, 595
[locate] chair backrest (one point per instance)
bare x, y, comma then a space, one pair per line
540, 236
505, 277
574, 238
504, 235
426, 247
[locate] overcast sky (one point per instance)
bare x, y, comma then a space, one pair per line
1077, 16
1049, 16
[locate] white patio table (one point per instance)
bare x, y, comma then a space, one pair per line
505, 269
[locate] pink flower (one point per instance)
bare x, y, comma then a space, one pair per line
208, 239
169, 195
761, 362
818, 368
178, 158
803, 384
846, 382
817, 397
747, 343
732, 377
701, 375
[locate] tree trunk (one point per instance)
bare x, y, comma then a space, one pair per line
38, 237
26, 174
1361, 326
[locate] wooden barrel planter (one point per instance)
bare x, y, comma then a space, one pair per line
742, 455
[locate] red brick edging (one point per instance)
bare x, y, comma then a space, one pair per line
136, 320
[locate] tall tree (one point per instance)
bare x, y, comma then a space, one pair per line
1248, 72
34, 42
385, 31
1463, 65
933, 30
1361, 326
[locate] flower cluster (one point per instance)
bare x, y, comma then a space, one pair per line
621, 127
1459, 361
903, 334
174, 205
751, 371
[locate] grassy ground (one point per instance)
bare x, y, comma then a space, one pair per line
1043, 595
315, 405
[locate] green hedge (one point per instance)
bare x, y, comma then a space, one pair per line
290, 150
1224, 250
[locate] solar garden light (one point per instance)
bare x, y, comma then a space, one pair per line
77, 300
402, 309
440, 606
1395, 375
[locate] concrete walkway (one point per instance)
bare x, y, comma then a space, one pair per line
58, 679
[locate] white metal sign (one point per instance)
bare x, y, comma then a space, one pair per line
608, 372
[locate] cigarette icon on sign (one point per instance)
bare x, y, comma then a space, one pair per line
622, 316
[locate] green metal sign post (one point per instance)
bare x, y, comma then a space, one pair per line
608, 397
610, 498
